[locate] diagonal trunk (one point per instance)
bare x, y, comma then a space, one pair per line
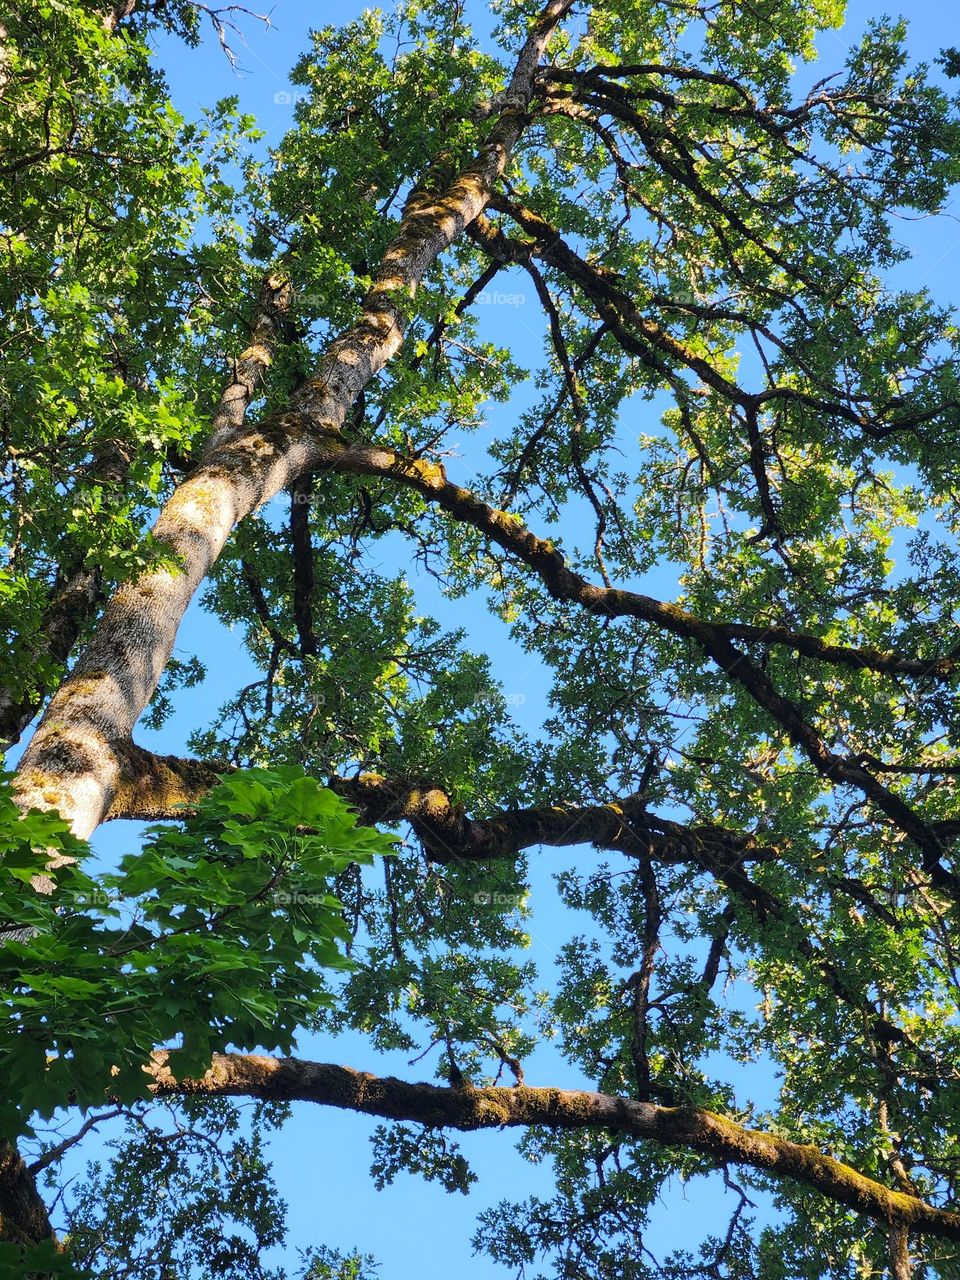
900, 1265
73, 762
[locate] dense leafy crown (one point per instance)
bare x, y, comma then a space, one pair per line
739, 400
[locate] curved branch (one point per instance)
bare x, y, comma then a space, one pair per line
640, 335
429, 479
498, 1107
156, 787
624, 826
563, 583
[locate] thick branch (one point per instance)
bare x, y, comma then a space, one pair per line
23, 1215
626, 826
70, 606
154, 787
563, 583
158, 787
270, 325
430, 480
291, 1080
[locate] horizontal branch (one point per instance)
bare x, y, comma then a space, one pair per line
623, 826
293, 1080
155, 787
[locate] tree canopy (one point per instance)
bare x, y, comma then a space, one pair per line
713, 503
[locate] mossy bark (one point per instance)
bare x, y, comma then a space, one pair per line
74, 761
290, 1079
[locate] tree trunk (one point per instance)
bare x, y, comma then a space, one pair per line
74, 761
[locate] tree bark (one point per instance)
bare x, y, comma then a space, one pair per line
293, 1080
23, 1214
71, 604
900, 1268
73, 761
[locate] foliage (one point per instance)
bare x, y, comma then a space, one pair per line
112, 342
187, 1189
738, 396
191, 1188
215, 934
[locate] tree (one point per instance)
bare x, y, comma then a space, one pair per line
758, 773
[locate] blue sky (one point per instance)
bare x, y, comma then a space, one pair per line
323, 1156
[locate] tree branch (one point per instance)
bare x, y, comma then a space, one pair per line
304, 579
563, 583
498, 1107
155, 787
23, 1214
71, 603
